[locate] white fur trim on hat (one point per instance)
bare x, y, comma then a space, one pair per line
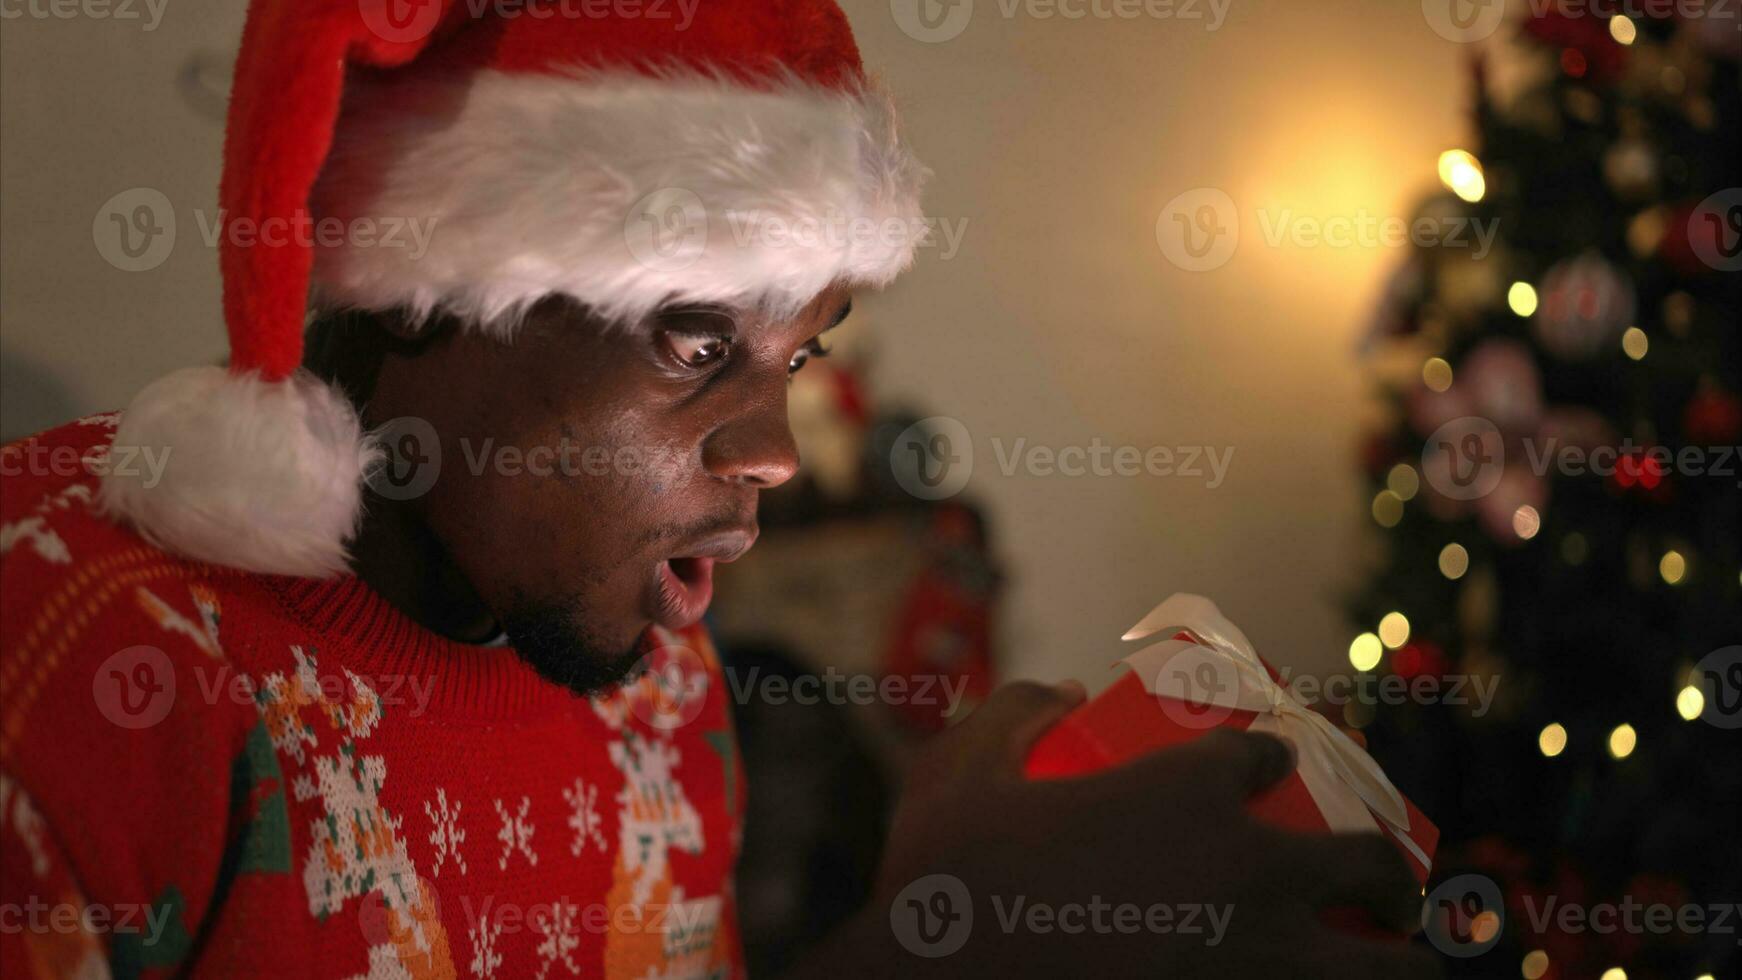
258, 475
624, 192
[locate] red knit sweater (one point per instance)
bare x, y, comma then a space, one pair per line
214, 773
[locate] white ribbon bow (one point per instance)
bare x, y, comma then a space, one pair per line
1222, 669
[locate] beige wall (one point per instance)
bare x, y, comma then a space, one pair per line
1059, 320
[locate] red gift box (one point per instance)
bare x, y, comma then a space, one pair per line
1208, 676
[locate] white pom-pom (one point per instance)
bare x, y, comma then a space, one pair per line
251, 474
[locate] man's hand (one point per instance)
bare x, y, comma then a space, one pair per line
1150, 869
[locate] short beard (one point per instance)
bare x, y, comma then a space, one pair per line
554, 642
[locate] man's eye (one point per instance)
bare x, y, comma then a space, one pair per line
697, 350
804, 355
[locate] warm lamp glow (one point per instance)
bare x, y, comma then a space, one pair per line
1535, 964
1403, 481
1622, 29
1553, 740
1690, 703
1526, 522
1522, 298
1462, 173
1454, 561
1365, 651
1436, 374
1635, 343
1387, 508
1673, 567
1622, 741
1394, 630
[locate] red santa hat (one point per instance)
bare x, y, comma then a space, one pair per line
470, 158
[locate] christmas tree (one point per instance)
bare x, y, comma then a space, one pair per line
1557, 579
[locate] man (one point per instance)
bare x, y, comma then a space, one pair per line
389, 665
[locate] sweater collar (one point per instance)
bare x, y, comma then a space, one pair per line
366, 634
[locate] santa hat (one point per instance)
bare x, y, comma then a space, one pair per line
469, 159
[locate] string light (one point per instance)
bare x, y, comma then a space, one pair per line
1436, 373
1673, 567
1635, 343
1387, 508
1690, 703
1574, 549
1394, 630
1454, 561
1622, 29
1535, 964
1614, 973
1403, 481
1462, 173
1622, 740
1526, 522
1522, 298
1552, 740
1364, 651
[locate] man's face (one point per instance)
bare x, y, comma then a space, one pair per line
592, 475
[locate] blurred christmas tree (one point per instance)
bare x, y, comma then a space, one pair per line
1561, 503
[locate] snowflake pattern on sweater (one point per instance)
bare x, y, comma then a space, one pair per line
305, 783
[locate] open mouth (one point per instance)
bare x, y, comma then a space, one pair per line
684, 584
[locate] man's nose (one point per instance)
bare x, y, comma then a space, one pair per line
756, 449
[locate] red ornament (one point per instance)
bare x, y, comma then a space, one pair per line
1713, 417
1588, 49
1639, 469
1419, 659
